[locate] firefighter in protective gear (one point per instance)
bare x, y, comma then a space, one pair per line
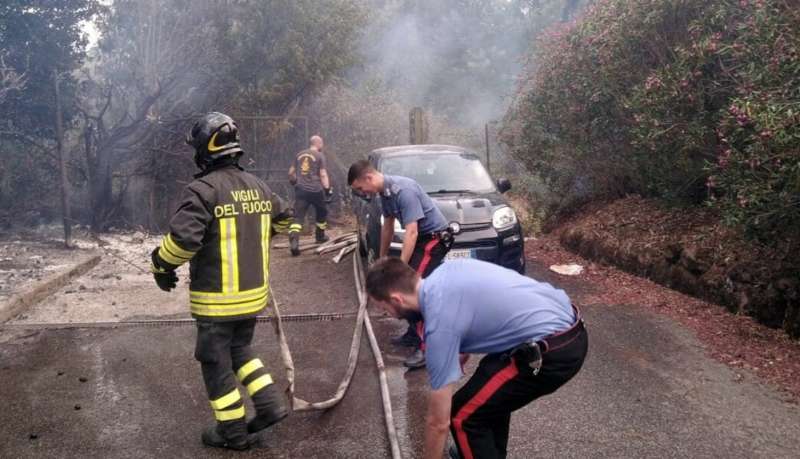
223, 228
312, 187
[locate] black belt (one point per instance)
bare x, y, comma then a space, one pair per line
530, 353
445, 235
562, 338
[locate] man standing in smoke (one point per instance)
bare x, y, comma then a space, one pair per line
312, 187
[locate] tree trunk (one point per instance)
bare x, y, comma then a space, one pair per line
92, 182
62, 162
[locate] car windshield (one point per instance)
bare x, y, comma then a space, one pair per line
441, 172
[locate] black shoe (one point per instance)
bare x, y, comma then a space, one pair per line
320, 236
415, 360
260, 423
212, 437
294, 244
407, 339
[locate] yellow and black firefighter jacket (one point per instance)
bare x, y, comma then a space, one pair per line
223, 228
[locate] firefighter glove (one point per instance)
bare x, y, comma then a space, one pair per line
329, 195
165, 278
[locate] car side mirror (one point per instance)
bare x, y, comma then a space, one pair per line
503, 185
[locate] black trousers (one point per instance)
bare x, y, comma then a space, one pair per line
302, 201
428, 254
225, 355
481, 409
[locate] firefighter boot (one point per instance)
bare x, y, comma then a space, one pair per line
270, 408
319, 233
294, 244
227, 434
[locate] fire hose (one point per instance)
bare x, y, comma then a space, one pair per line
345, 244
362, 321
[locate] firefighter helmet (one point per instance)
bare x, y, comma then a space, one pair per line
214, 136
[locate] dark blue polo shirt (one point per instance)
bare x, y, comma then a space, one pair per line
405, 200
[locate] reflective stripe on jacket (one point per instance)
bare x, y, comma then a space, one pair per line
223, 228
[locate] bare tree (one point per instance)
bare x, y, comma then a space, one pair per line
62, 163
10, 80
137, 97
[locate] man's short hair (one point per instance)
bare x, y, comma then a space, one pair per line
390, 275
358, 169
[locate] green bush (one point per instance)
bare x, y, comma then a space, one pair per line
694, 101
721, 120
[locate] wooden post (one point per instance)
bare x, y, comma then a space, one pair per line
418, 127
62, 163
488, 161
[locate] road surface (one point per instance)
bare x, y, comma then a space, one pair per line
648, 389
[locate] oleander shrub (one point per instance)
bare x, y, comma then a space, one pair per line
694, 101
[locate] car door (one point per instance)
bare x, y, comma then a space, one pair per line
368, 215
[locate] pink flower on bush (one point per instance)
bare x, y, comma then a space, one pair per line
653, 82
724, 158
742, 201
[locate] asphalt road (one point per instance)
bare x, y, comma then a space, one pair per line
646, 390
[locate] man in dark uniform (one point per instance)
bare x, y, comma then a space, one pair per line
312, 187
222, 228
427, 236
534, 339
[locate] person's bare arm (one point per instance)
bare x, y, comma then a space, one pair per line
437, 422
323, 177
409, 241
387, 232
292, 175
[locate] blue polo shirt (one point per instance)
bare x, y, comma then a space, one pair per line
475, 307
403, 199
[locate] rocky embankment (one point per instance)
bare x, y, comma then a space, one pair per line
691, 251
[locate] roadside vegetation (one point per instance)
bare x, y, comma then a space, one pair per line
694, 105
694, 102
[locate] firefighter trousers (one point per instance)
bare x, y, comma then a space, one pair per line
225, 355
302, 201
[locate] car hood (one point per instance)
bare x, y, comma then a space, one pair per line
469, 209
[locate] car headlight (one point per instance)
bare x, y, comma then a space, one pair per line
504, 218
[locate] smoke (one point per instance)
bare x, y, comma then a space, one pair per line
456, 57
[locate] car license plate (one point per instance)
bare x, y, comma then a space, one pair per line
458, 254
